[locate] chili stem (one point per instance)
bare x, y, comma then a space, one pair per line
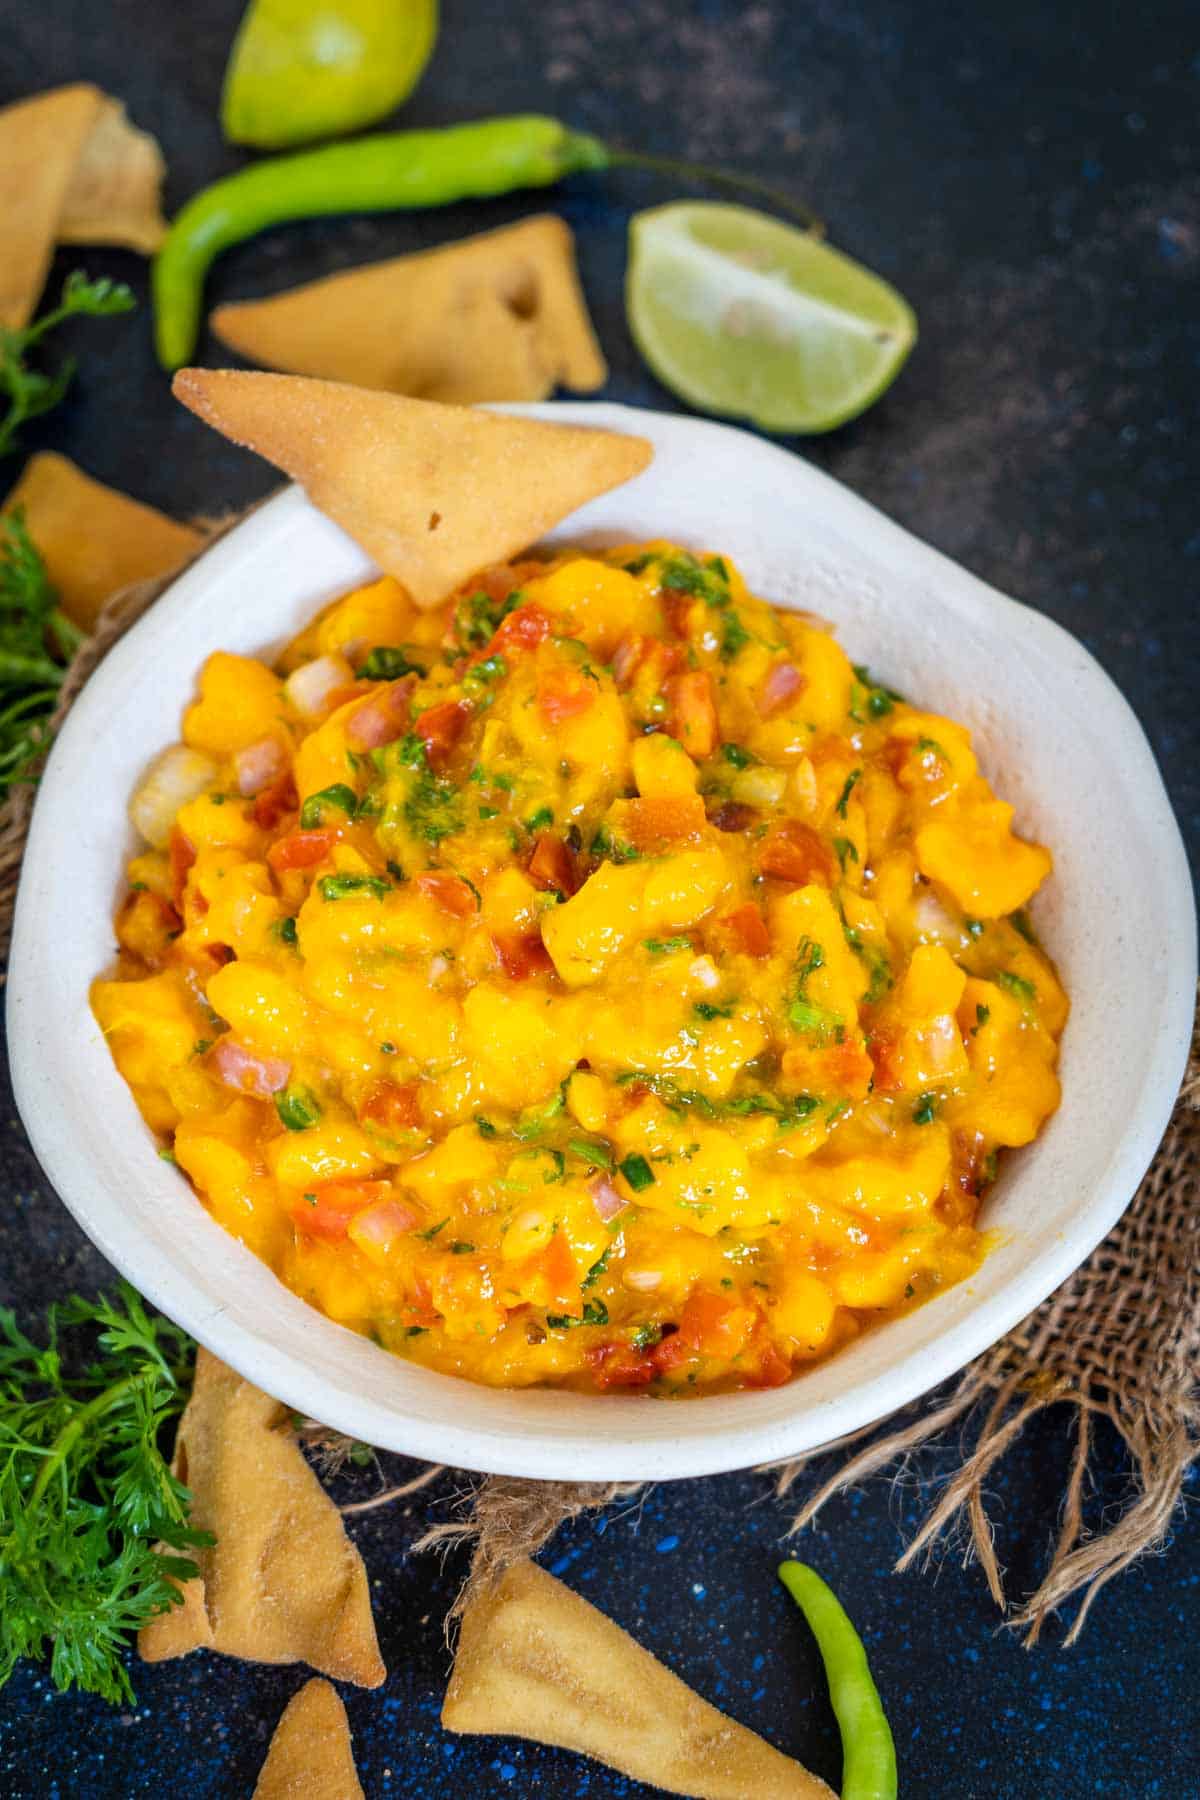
706, 175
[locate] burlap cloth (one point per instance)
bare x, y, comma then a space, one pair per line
1120, 1341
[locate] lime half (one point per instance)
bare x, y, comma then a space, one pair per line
741, 315
306, 69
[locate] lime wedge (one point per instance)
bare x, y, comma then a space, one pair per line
741, 315
306, 69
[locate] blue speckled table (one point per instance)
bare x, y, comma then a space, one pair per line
1030, 176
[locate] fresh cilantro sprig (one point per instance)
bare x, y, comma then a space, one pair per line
30, 391
36, 641
87, 1497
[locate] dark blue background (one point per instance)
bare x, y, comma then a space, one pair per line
1029, 175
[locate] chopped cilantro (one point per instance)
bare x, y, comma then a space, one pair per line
431, 1231
868, 700
845, 848
387, 1048
387, 663
484, 1126
596, 1155
925, 1111
285, 930
298, 1108
637, 1171
1020, 923
594, 1313
666, 946
704, 1009
1017, 986
477, 615
460, 1247
646, 1336
337, 887
539, 820
735, 754
339, 796
852, 780
982, 1015
598, 1267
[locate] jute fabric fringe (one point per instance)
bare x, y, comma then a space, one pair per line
1120, 1340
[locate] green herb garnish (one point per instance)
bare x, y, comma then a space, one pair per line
637, 1171
594, 1313
29, 392
339, 797
340, 887
852, 780
94, 1531
735, 754
387, 663
1017, 986
298, 1108
666, 946
36, 641
925, 1111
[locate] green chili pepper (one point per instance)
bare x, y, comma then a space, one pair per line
298, 1108
868, 1752
384, 172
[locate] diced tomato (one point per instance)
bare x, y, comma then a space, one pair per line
627, 657
885, 1047
440, 727
656, 823
617, 1365
182, 854
146, 924
748, 927
275, 802
558, 1268
693, 712
793, 852
523, 629
450, 892
521, 957
844, 1069
710, 1325
677, 609
774, 1369
326, 1210
392, 1104
564, 694
303, 849
552, 867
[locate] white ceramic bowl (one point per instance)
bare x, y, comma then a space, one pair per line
1051, 731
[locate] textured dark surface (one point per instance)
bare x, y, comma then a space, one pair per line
1029, 175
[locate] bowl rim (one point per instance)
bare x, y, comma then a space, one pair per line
552, 1451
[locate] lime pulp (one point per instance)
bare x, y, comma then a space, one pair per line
744, 316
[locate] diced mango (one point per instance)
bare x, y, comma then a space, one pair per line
240, 702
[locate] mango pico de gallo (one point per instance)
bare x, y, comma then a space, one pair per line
596, 981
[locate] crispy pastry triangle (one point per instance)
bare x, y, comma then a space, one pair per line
537, 1661
310, 1757
282, 1583
500, 316
40, 144
115, 192
432, 492
94, 539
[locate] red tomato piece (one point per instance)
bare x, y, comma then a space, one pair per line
558, 1268
182, 854
440, 727
303, 849
552, 866
524, 629
326, 1210
793, 852
749, 928
450, 892
521, 957
565, 694
693, 712
774, 1369
275, 802
617, 1365
392, 1104
886, 1060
